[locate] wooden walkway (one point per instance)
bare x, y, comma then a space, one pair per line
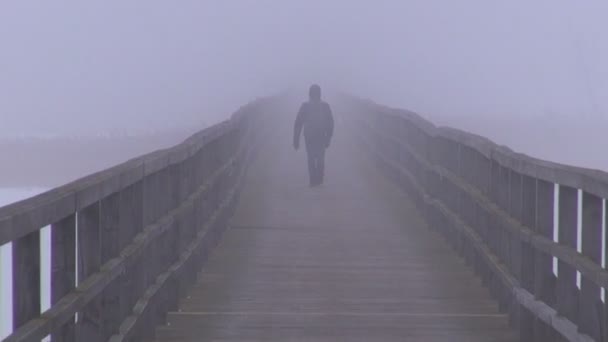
350, 261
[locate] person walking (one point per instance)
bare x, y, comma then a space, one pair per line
316, 120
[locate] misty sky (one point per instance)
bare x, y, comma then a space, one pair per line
84, 67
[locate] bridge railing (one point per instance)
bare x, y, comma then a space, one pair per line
127, 240
533, 230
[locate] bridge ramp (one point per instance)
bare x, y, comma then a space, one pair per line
350, 261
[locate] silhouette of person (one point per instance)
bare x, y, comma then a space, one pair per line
316, 119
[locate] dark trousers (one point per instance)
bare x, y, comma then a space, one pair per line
316, 164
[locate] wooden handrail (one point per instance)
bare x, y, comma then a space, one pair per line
497, 206
135, 235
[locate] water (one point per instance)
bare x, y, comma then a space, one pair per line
7, 196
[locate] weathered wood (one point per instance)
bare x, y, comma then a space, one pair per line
455, 167
152, 198
495, 182
367, 270
590, 304
527, 260
63, 270
30, 215
92, 287
131, 224
592, 181
110, 242
120, 227
528, 219
26, 279
89, 261
588, 268
516, 211
519, 230
504, 188
567, 290
170, 285
549, 326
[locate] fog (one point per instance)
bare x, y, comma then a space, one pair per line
98, 67
530, 74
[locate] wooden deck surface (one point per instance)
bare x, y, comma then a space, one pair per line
350, 261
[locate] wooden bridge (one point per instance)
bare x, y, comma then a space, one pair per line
419, 234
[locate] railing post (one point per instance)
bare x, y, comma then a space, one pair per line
516, 212
110, 247
504, 195
63, 270
567, 291
544, 280
89, 260
131, 224
102, 260
155, 204
26, 278
528, 219
525, 189
527, 260
495, 181
591, 311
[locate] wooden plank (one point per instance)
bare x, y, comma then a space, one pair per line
528, 264
168, 286
592, 181
544, 280
89, 325
549, 328
109, 233
131, 224
590, 304
100, 240
543, 244
516, 212
63, 268
29, 215
529, 220
567, 290
26, 279
354, 262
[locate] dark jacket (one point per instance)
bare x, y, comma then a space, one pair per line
316, 118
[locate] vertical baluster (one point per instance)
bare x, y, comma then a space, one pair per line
514, 242
151, 207
527, 260
152, 210
131, 223
63, 268
110, 248
504, 202
495, 182
567, 291
516, 212
89, 261
504, 188
591, 311
528, 219
26, 278
544, 280
484, 174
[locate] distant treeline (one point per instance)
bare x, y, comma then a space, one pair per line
51, 162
